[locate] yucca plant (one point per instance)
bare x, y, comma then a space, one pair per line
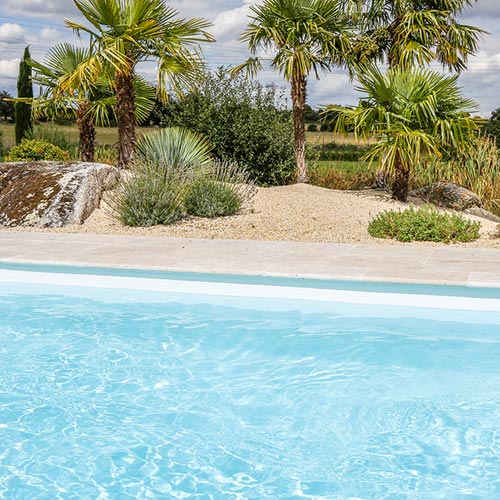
413, 115
175, 147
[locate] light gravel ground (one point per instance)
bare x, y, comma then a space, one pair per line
295, 213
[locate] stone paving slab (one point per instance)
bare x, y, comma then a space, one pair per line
391, 263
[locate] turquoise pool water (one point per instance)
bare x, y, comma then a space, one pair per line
120, 394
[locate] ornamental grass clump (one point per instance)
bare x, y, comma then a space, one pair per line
220, 190
424, 224
477, 170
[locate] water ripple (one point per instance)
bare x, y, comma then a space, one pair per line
168, 400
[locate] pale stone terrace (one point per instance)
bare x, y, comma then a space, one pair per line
440, 265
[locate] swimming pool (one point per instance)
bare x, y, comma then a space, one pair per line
149, 385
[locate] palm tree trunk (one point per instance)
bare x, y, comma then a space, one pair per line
86, 131
125, 113
299, 86
383, 177
401, 180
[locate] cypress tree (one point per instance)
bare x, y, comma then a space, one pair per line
24, 122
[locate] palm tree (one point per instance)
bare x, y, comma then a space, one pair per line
91, 105
124, 33
414, 114
305, 36
416, 32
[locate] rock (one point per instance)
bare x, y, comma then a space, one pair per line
448, 195
481, 212
52, 194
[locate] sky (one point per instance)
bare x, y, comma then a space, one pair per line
40, 24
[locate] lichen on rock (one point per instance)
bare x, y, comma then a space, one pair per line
52, 194
448, 195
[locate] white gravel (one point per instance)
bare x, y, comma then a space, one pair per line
297, 212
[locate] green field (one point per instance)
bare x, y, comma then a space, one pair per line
105, 136
109, 135
320, 138
344, 172
345, 167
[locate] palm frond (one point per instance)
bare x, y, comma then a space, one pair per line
249, 68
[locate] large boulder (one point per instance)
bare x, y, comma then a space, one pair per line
52, 194
448, 195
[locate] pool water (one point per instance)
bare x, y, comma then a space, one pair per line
120, 395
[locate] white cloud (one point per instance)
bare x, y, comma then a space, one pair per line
230, 23
11, 32
39, 8
50, 34
9, 68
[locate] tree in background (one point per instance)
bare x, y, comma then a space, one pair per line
413, 114
124, 33
23, 118
6, 106
492, 128
304, 36
417, 32
310, 114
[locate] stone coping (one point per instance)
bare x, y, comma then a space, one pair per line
436, 265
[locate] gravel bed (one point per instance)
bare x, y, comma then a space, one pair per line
297, 212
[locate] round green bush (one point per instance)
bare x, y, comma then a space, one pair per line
211, 198
424, 224
36, 150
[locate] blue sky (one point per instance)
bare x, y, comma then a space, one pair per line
40, 24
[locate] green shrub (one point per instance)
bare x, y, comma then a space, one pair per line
424, 224
154, 191
150, 196
492, 128
245, 122
36, 150
220, 190
208, 198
